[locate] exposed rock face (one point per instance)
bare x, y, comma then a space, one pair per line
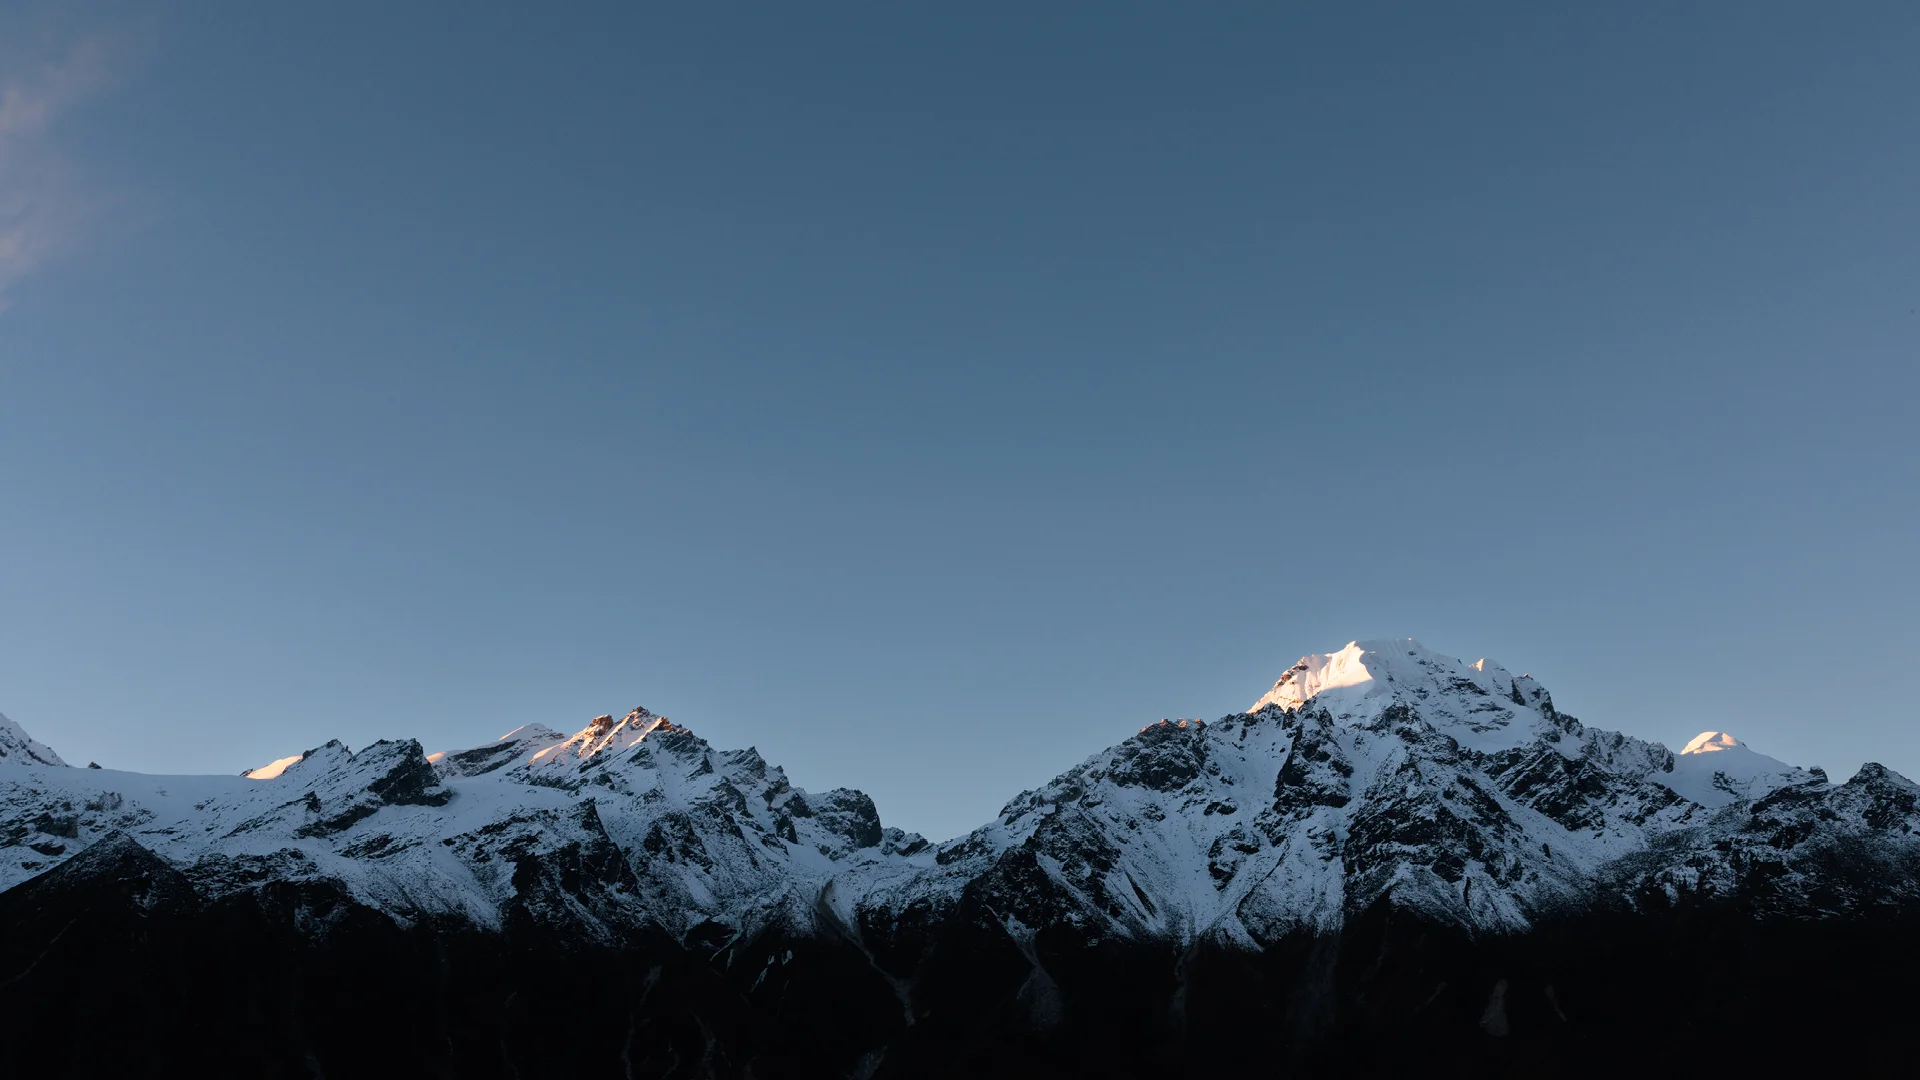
1391, 840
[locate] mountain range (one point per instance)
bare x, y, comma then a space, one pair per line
1394, 860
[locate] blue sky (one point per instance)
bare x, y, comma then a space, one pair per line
933, 397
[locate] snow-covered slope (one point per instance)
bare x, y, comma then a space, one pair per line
17, 749
1382, 772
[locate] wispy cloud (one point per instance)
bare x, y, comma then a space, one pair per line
45, 205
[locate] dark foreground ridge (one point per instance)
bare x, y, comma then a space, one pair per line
116, 969
1396, 864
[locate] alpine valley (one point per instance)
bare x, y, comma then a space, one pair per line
1395, 862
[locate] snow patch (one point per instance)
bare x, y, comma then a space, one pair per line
272, 768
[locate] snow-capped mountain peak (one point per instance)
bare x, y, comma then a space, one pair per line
1318, 673
1480, 704
1367, 668
1708, 742
604, 734
1716, 769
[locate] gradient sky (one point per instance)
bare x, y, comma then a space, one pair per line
932, 395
